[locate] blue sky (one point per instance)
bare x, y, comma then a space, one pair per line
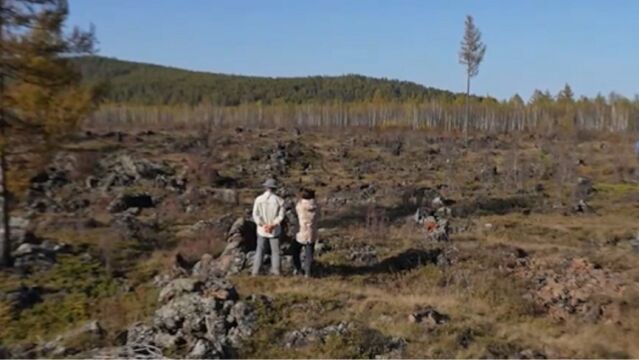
540, 44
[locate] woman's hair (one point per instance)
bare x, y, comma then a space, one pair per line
307, 194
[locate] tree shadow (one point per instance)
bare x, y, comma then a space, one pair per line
405, 261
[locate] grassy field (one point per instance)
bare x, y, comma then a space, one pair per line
489, 288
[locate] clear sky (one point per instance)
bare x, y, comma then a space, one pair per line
591, 44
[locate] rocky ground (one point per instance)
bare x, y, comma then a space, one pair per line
138, 244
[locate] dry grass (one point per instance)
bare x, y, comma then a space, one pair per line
208, 240
479, 298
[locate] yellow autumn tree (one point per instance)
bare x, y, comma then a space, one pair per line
40, 91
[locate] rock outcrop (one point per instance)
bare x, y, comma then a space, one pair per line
197, 319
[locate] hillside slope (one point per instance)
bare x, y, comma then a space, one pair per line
140, 83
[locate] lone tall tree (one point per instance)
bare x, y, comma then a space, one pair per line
470, 55
40, 94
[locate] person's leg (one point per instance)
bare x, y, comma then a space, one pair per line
308, 252
275, 255
259, 254
297, 256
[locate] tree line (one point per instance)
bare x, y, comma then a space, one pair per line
139, 94
542, 113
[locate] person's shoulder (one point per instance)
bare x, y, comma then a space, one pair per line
260, 197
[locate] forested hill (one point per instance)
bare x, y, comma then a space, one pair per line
138, 83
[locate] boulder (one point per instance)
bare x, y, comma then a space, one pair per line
29, 255
19, 230
178, 287
203, 349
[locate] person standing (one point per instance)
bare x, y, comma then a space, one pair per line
308, 213
268, 213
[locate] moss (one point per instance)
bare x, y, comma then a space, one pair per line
72, 288
334, 258
72, 274
50, 317
616, 188
5, 319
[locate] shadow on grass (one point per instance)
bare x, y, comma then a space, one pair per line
405, 261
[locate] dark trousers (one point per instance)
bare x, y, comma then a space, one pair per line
307, 251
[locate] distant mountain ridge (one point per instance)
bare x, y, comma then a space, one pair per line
146, 84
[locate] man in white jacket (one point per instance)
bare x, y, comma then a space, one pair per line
268, 213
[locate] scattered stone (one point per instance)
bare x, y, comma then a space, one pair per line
142, 169
435, 225
365, 255
139, 333
574, 287
429, 316
31, 256
19, 230
378, 346
465, 337
309, 335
